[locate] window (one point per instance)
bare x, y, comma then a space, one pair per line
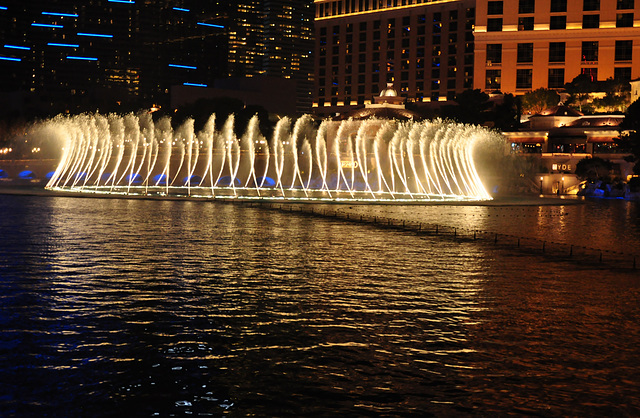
558, 22
590, 21
590, 5
525, 52
592, 73
558, 6
625, 4
624, 50
494, 54
622, 73
493, 80
525, 23
526, 6
556, 51
556, 78
624, 20
494, 8
494, 25
590, 51
523, 78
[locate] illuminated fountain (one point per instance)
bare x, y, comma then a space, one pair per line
372, 160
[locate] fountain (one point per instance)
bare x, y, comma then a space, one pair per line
375, 160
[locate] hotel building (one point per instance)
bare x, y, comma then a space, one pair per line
523, 45
423, 49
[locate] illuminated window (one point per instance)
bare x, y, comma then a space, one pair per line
525, 23
590, 51
493, 80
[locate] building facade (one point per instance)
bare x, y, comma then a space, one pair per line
423, 49
523, 45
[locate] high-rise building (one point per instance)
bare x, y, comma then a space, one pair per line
522, 45
423, 49
69, 55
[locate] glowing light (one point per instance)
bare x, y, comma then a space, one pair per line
64, 45
122, 1
82, 58
3, 8
95, 35
180, 9
210, 25
365, 161
195, 85
60, 14
10, 59
188, 67
46, 25
26, 48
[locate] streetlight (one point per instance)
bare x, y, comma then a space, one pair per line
540, 184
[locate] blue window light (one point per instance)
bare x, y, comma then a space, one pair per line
210, 25
46, 25
180, 9
10, 59
95, 35
25, 48
195, 85
64, 45
82, 58
188, 67
60, 14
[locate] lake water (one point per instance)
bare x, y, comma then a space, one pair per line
157, 308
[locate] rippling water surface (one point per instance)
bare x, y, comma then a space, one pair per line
153, 308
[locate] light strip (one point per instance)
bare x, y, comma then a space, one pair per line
195, 85
180, 9
3, 8
96, 35
211, 25
25, 48
10, 59
60, 14
44, 25
188, 67
64, 45
122, 1
82, 58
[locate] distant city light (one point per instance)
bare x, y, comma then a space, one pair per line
10, 59
25, 48
82, 58
64, 45
210, 25
60, 14
180, 9
188, 67
96, 35
195, 85
46, 25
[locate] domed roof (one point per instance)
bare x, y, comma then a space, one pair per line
389, 91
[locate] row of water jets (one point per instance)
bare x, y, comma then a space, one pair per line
376, 159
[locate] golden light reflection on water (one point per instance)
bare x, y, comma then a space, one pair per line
154, 306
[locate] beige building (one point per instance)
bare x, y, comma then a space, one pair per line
522, 45
424, 49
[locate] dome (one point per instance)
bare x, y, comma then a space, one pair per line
389, 91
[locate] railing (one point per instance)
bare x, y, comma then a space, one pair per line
583, 255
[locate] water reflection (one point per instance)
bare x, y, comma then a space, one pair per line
144, 307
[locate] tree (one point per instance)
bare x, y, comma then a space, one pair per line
629, 139
593, 169
471, 107
538, 100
